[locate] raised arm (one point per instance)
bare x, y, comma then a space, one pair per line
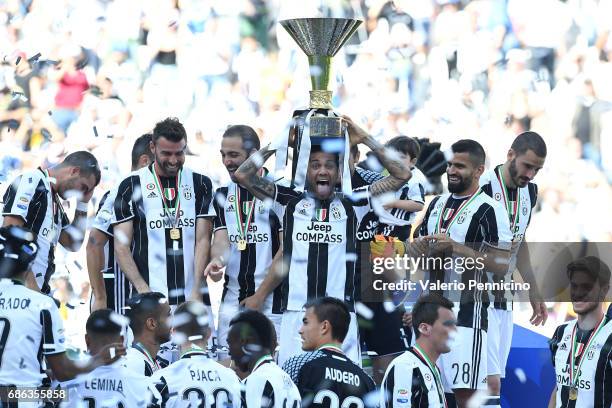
399, 173
247, 176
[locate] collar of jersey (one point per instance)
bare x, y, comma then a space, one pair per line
17, 282
192, 353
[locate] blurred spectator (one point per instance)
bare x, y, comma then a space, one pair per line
72, 84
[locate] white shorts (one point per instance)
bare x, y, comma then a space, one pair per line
465, 366
291, 342
499, 341
227, 313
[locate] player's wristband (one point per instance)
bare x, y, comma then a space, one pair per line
82, 207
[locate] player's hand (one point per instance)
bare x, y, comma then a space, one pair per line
356, 134
109, 354
214, 269
440, 243
254, 302
143, 288
418, 247
407, 319
540, 311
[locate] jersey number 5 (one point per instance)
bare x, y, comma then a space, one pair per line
334, 401
6, 328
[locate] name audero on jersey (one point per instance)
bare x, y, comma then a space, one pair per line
320, 233
166, 219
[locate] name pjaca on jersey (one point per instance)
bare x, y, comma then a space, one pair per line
252, 236
168, 221
321, 233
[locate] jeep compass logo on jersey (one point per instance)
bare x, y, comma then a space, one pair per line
320, 233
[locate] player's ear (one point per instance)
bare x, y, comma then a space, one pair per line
88, 341
425, 329
511, 154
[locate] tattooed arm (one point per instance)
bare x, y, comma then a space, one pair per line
247, 176
399, 173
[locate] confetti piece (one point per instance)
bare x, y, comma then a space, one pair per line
46, 134
95, 131
194, 338
351, 257
335, 145
121, 237
520, 374
120, 320
73, 194
111, 351
374, 164
175, 292
50, 113
364, 311
448, 155
18, 60
34, 58
315, 70
78, 265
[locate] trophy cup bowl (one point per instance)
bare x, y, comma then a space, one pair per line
320, 39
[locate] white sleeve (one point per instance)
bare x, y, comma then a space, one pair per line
105, 216
19, 195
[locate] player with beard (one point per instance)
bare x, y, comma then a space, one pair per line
414, 378
468, 225
247, 237
163, 220
510, 184
319, 227
109, 285
251, 341
324, 375
148, 313
582, 348
33, 201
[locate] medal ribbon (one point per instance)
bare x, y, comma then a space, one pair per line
434, 370
53, 200
463, 205
574, 381
177, 205
249, 219
143, 350
513, 216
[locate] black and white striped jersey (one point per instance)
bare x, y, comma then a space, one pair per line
594, 384
30, 328
409, 382
109, 386
196, 380
246, 269
327, 378
166, 264
117, 285
137, 361
319, 245
269, 386
479, 225
527, 197
30, 197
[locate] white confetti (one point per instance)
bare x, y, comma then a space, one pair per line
373, 164
389, 306
333, 145
196, 337
364, 311
118, 319
73, 194
123, 239
520, 374
111, 351
351, 257
136, 194
448, 154
221, 198
478, 399
315, 70
179, 319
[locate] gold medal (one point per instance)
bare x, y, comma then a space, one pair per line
573, 393
175, 233
242, 244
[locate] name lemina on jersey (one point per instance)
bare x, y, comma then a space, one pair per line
321, 233
104, 384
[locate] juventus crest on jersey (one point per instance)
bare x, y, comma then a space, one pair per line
163, 255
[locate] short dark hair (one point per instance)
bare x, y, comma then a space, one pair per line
101, 323
259, 325
406, 145
335, 312
86, 163
250, 139
593, 266
529, 141
142, 146
171, 129
426, 310
193, 319
141, 307
471, 147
